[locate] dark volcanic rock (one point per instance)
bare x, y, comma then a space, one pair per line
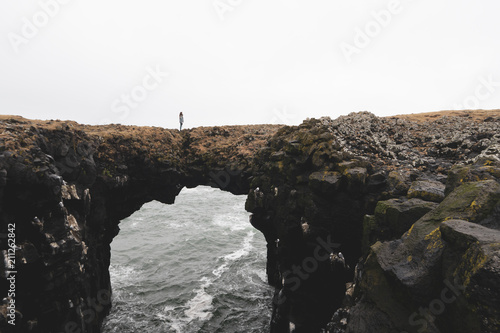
404, 275
427, 190
310, 187
325, 181
392, 219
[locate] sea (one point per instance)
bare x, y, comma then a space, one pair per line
194, 266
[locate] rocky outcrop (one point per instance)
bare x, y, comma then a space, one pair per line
66, 187
331, 175
441, 275
392, 206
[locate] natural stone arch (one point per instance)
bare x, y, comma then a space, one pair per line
69, 185
105, 179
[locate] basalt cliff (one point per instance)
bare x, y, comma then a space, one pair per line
372, 224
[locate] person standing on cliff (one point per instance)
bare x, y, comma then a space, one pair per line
181, 120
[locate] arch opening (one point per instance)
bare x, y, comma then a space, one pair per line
197, 265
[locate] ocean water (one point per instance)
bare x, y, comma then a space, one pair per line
194, 266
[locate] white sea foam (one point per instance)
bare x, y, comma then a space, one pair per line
201, 304
229, 258
245, 249
261, 273
230, 222
123, 275
219, 270
198, 308
169, 316
168, 308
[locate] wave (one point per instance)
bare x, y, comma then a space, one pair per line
228, 259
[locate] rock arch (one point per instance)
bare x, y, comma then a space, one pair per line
313, 190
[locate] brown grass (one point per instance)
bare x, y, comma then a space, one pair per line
475, 115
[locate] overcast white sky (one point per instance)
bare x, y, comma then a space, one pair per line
245, 61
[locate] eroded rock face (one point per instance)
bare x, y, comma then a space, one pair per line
310, 187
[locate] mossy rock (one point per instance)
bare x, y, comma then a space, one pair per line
393, 218
493, 170
460, 174
383, 291
415, 265
471, 261
473, 202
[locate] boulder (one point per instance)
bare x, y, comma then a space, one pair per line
367, 318
472, 261
392, 219
427, 190
376, 182
397, 183
325, 181
407, 274
355, 178
460, 174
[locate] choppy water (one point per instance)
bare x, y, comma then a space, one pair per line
194, 266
